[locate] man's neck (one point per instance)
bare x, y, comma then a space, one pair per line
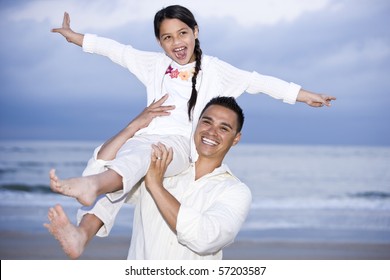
205, 166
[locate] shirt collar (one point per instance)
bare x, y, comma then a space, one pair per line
217, 171
176, 65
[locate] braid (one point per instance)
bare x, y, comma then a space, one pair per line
194, 93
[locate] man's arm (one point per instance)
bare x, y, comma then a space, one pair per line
108, 150
167, 204
209, 230
203, 232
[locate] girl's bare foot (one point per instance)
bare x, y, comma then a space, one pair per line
71, 238
83, 189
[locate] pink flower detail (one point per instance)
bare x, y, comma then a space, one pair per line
169, 70
174, 73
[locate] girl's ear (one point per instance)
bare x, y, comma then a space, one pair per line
196, 32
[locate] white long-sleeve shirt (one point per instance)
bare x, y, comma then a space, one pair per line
213, 209
217, 78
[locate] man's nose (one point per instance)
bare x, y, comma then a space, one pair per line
212, 130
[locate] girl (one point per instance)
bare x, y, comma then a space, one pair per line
190, 78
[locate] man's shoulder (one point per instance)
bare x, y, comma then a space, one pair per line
225, 176
227, 172
229, 186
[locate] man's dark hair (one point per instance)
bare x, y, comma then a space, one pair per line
229, 103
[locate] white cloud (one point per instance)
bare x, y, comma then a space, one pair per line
354, 54
102, 14
265, 12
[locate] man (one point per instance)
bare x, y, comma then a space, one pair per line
193, 215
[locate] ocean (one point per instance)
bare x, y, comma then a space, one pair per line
310, 193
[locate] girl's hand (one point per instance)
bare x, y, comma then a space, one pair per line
156, 109
68, 33
313, 99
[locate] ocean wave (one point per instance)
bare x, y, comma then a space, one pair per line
9, 170
373, 200
371, 195
41, 189
370, 200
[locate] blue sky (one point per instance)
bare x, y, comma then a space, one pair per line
51, 90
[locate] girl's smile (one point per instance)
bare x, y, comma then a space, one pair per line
178, 40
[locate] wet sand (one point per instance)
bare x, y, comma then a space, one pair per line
42, 246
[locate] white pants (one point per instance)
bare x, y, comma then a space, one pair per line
132, 162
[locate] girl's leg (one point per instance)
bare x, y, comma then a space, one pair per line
181, 154
133, 160
72, 239
86, 189
125, 171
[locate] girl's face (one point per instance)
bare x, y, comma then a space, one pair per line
178, 40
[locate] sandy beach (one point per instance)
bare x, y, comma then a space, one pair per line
297, 213
41, 246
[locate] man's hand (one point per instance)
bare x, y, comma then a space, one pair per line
167, 204
160, 159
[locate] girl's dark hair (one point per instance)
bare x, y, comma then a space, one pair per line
183, 14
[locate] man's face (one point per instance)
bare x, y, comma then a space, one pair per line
216, 132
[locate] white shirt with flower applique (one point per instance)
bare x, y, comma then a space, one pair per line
216, 78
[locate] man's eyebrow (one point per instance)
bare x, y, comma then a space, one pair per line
207, 118
223, 123
228, 125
